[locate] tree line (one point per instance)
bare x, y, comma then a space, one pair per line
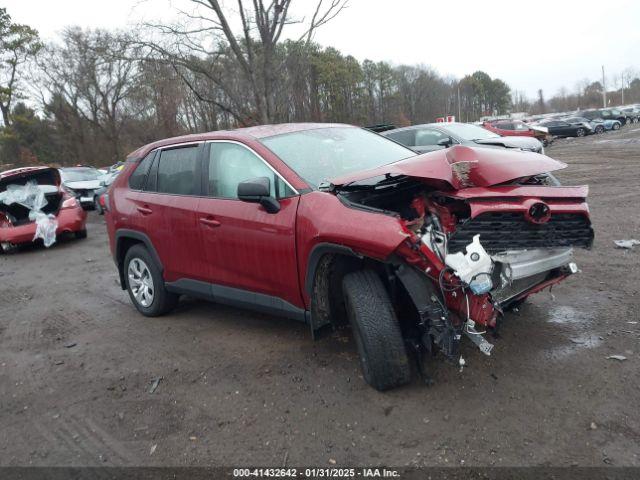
92, 96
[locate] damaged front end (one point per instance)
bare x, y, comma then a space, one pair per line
474, 248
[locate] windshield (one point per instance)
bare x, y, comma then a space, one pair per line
79, 174
470, 132
324, 153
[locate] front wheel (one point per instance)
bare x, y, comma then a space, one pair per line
376, 330
580, 132
599, 129
616, 126
145, 283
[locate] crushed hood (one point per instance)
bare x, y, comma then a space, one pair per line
461, 167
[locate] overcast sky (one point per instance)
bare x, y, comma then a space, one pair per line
529, 44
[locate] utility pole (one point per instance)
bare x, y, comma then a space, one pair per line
604, 90
459, 115
622, 83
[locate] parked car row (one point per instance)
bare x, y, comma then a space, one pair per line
587, 122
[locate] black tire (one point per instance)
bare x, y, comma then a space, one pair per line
163, 300
515, 305
580, 132
599, 129
616, 126
80, 234
376, 330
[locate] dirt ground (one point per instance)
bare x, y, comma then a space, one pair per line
237, 388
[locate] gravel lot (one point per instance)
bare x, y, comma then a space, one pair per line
238, 388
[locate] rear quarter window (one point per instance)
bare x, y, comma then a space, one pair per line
139, 175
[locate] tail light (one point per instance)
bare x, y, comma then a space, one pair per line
70, 202
4, 221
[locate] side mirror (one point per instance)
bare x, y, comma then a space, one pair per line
445, 142
257, 190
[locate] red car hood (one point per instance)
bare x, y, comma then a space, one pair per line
462, 167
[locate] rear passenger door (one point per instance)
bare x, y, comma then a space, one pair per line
167, 209
245, 247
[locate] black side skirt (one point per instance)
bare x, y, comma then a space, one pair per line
237, 297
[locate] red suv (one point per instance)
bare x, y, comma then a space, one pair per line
517, 128
331, 224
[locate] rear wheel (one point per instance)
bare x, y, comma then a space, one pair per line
145, 283
376, 330
580, 132
616, 126
599, 129
80, 234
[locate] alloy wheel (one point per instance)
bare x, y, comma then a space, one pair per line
141, 282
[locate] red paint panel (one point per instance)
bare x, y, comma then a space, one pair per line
244, 246
322, 218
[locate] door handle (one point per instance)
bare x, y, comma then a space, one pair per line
144, 210
210, 222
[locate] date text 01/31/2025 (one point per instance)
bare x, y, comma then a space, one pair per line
315, 473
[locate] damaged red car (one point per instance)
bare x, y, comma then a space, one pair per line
35, 207
332, 224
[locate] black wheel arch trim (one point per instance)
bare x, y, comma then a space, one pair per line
125, 233
317, 252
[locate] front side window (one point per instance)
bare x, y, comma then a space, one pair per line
177, 171
321, 154
231, 163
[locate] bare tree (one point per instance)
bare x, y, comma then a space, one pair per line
252, 49
91, 78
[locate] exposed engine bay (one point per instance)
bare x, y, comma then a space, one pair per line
472, 253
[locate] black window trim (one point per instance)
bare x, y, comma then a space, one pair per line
205, 170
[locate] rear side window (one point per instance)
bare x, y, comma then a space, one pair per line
138, 177
177, 171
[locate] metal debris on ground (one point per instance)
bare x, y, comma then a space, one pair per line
628, 244
617, 357
154, 384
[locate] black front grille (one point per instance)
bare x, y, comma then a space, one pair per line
511, 231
